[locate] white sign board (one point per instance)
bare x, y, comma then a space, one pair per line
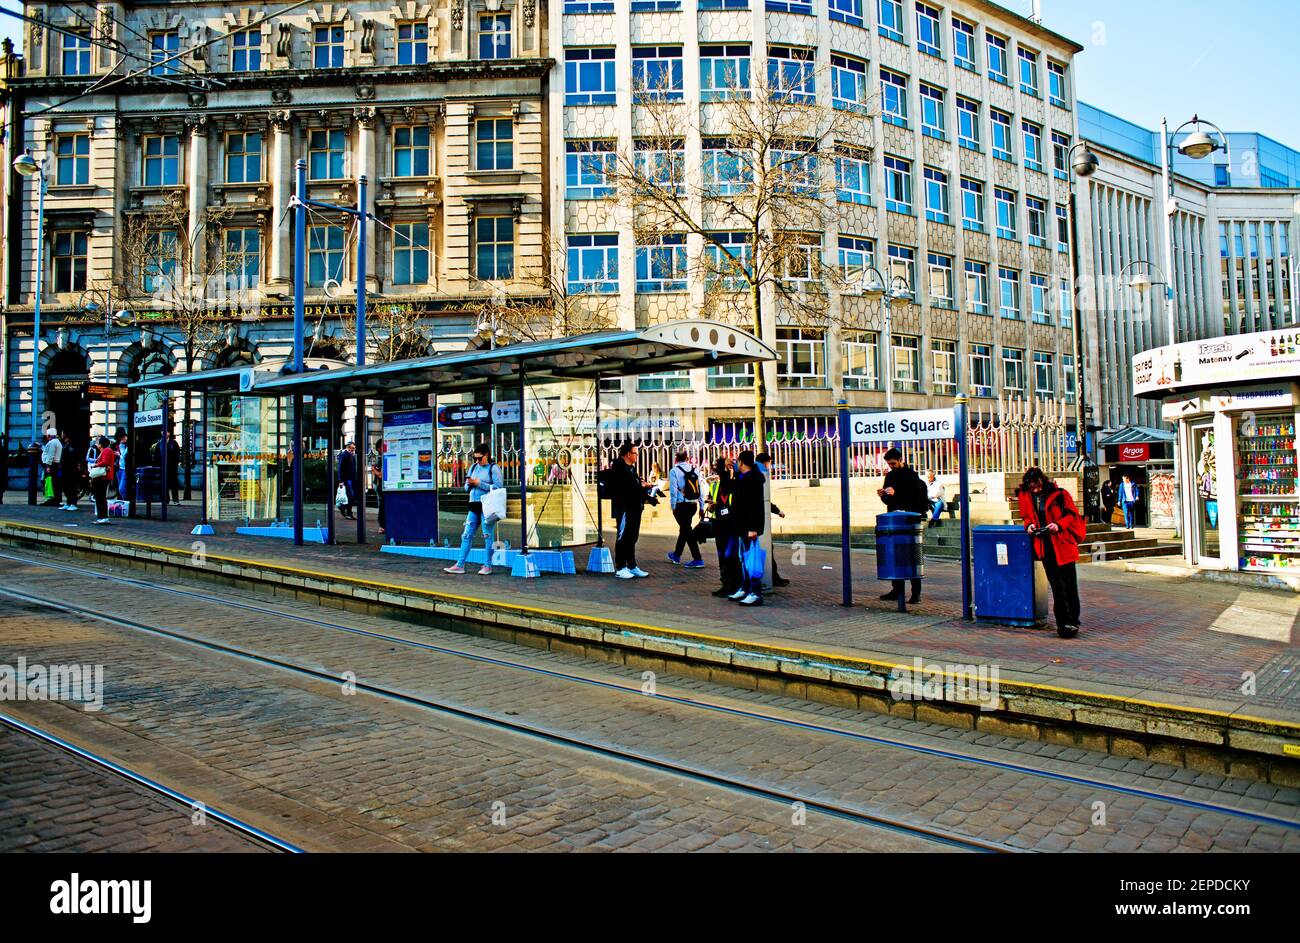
915, 425
1230, 359
506, 412
408, 450
149, 417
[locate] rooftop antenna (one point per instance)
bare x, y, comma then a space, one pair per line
1036, 11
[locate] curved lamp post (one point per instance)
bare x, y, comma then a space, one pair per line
1083, 163
28, 166
877, 287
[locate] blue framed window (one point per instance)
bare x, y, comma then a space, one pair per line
1038, 299
940, 281
1056, 84
327, 47
74, 52
160, 257
972, 205
664, 168
246, 50
981, 369
411, 151
656, 6
593, 264
929, 36
666, 382
1028, 71
494, 140
1013, 370
963, 45
410, 253
933, 124
898, 185
790, 73
324, 255
1000, 122
794, 167
724, 72
789, 6
1036, 221
1065, 294
494, 248
70, 258
861, 360
848, 83
1044, 375
494, 36
1005, 202
846, 11
997, 56
893, 97
1009, 294
1060, 156
968, 123
936, 196
72, 160
902, 264
1033, 139
578, 7
724, 4
242, 257
163, 46
1062, 229
852, 175
977, 289
730, 259
1222, 176
412, 43
589, 76
661, 264
587, 165
162, 160
857, 257
657, 73
325, 154
890, 19
1067, 377
244, 157
726, 170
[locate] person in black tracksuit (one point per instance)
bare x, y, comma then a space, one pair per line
749, 516
627, 497
903, 490
721, 485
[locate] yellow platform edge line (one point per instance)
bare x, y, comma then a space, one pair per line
754, 647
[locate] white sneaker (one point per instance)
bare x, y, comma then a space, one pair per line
485, 571
101, 520
738, 595
456, 568
637, 571
70, 507
625, 574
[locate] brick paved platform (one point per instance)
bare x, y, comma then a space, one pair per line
1206, 664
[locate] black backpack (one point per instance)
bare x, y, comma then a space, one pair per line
604, 483
691, 485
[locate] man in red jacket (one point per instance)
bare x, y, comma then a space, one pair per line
1057, 527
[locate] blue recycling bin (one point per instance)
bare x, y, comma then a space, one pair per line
899, 554
148, 484
1010, 587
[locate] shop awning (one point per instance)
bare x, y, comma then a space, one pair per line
1138, 435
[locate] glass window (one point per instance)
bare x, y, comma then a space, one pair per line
893, 97
324, 255
997, 55
906, 353
667, 382
940, 280
800, 357
1066, 305
587, 165
977, 288
928, 37
1036, 215
936, 196
162, 46
794, 167
1067, 377
981, 370
410, 151
932, 117
968, 123
1044, 375
1013, 370
898, 185
846, 11
410, 253
723, 4
890, 22
972, 205
242, 263
495, 143
726, 169
327, 47
412, 43
861, 360
799, 257
729, 260
657, 73
656, 6
790, 6
1028, 72
943, 367
494, 36
1038, 299
158, 265
963, 44
790, 73
1060, 156
593, 263
902, 264
735, 376
1009, 293
848, 83
852, 175
1001, 125
1033, 136
72, 159
857, 256
75, 52
70, 260
589, 76
494, 248
244, 157
663, 168
724, 72
1005, 201
325, 153
162, 160
246, 50
1056, 84
661, 263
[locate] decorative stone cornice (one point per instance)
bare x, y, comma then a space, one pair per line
364, 116
281, 120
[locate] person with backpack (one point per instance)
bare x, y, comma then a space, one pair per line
1056, 526
903, 490
483, 476
685, 498
626, 490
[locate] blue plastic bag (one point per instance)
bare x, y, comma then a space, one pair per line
754, 561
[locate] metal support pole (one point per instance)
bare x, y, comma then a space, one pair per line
295, 450
164, 456
523, 460
600, 510
1168, 232
888, 352
437, 512
846, 553
130, 456
963, 502
204, 526
34, 452
358, 473
331, 470
1080, 377
362, 433
299, 289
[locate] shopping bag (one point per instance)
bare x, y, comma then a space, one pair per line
754, 561
494, 506
341, 496
703, 531
49, 486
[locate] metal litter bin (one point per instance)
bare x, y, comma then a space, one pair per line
148, 486
1010, 585
899, 555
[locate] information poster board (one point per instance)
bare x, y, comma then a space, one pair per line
408, 450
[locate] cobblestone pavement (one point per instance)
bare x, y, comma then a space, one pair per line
1162, 639
426, 780
51, 800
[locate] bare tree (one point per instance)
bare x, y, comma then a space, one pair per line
758, 203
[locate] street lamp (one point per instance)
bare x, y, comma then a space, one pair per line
887, 291
27, 166
1084, 163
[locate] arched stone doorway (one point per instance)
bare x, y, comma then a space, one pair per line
66, 375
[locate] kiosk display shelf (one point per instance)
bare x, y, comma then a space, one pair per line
1269, 508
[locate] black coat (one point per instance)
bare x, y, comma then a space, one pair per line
910, 493
347, 466
626, 493
748, 510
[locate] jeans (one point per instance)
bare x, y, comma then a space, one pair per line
629, 530
728, 557
684, 514
473, 521
1065, 586
99, 488
936, 508
1129, 510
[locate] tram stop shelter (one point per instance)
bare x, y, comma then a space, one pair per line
535, 402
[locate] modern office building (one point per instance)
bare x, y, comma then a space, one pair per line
961, 188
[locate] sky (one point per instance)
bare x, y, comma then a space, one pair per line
1230, 61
